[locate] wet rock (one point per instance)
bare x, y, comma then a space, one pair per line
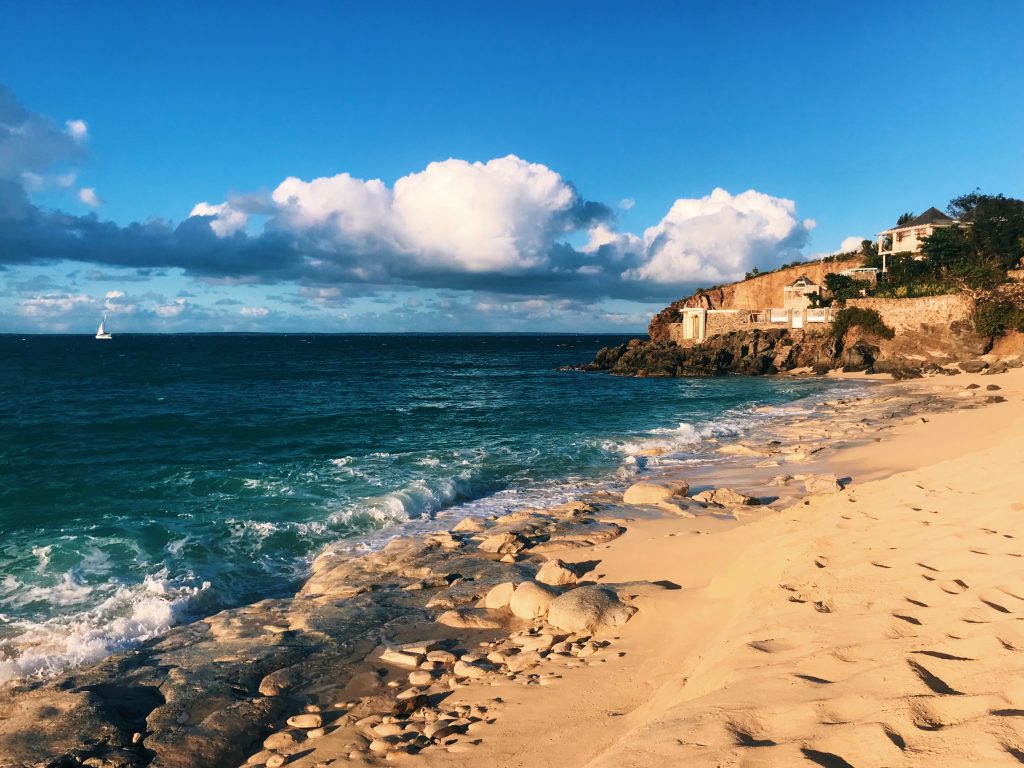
508, 543
469, 525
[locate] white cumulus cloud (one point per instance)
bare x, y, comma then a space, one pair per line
255, 311
77, 129
170, 310
719, 237
88, 196
849, 245
226, 219
498, 216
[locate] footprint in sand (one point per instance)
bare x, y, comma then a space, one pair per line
934, 683
908, 618
1013, 590
994, 605
954, 586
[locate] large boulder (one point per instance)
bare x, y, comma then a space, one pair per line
724, 497
499, 596
555, 573
657, 494
590, 610
973, 366
817, 484
531, 600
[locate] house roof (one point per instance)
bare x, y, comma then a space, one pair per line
802, 282
931, 216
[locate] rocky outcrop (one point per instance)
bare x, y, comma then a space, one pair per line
759, 352
756, 293
207, 694
753, 353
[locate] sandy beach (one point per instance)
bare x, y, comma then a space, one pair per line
842, 590
875, 626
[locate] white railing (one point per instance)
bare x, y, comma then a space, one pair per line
778, 316
818, 315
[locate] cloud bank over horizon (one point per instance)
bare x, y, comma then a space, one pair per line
492, 236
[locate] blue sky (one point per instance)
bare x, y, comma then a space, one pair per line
819, 121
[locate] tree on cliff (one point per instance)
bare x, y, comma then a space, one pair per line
996, 231
905, 218
978, 254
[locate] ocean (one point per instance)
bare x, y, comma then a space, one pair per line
152, 479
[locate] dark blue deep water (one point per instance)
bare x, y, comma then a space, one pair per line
150, 478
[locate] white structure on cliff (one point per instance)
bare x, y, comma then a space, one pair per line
797, 295
907, 239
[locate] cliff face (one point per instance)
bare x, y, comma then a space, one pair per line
752, 353
758, 352
758, 292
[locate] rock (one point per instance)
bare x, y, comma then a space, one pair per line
540, 642
387, 729
724, 497
442, 657
305, 721
472, 670
499, 596
470, 618
973, 366
555, 573
282, 740
779, 480
657, 494
993, 387
507, 543
469, 525
401, 658
420, 677
276, 761
380, 746
588, 610
817, 484
531, 600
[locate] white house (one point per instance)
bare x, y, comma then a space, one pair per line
906, 239
797, 294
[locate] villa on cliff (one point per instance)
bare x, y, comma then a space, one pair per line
785, 298
907, 239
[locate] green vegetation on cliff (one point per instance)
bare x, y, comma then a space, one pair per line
868, 320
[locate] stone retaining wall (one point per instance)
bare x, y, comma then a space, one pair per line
910, 314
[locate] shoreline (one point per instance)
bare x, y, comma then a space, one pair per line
340, 616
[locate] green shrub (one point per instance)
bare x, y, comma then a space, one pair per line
995, 318
866, 319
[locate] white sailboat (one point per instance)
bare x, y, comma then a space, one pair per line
101, 332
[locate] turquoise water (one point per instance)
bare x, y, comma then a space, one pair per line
150, 479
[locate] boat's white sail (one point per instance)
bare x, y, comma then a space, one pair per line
101, 332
